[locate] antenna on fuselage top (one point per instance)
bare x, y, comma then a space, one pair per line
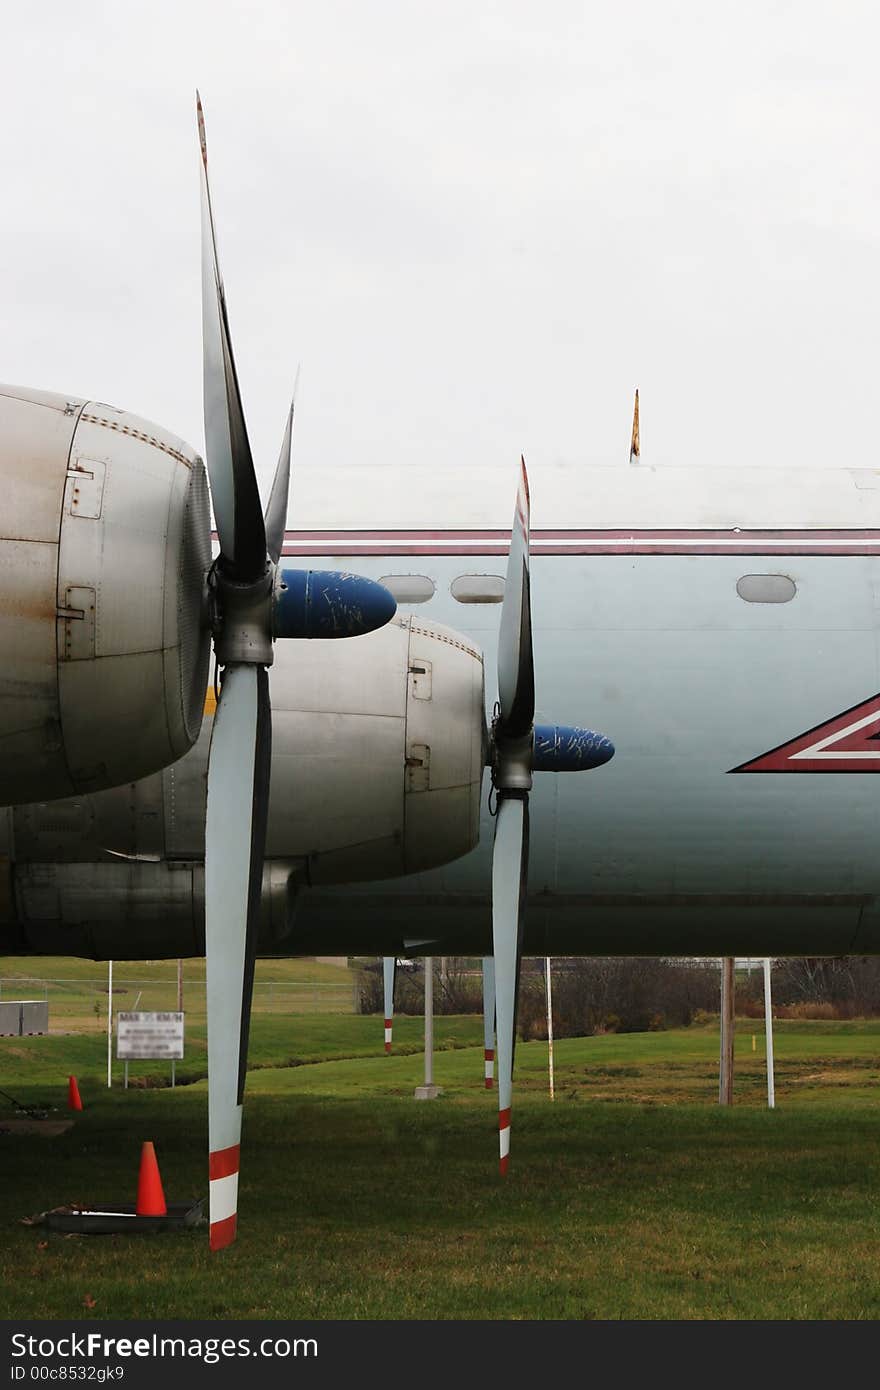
634, 452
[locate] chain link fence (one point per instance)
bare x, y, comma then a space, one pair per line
80, 1004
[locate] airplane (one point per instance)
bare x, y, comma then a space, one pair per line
717, 626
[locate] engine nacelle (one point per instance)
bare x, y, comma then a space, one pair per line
378, 748
378, 751
386, 749
104, 549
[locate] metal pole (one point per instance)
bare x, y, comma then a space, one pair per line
389, 970
725, 1080
768, 1030
429, 1020
549, 1022
180, 986
429, 1091
109, 1024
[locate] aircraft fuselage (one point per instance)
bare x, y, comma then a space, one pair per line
696, 649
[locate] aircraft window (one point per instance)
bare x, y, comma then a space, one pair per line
766, 588
478, 588
409, 588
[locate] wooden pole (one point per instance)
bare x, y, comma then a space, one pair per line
725, 1079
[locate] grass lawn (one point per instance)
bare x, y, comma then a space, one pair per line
77, 990
633, 1195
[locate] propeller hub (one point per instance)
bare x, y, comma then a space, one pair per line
241, 617
510, 759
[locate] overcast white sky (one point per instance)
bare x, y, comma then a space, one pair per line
477, 225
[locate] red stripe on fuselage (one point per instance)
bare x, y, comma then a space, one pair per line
653, 541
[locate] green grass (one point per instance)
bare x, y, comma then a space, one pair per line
632, 1196
77, 990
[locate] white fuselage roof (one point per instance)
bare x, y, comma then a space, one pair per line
352, 497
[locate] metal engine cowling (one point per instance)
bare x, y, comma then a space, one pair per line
378, 753
378, 750
104, 549
390, 764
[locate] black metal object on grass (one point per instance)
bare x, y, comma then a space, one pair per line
120, 1218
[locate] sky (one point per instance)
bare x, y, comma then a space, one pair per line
478, 226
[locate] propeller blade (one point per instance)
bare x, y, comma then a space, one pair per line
516, 670
234, 489
489, 1019
276, 511
235, 838
510, 857
389, 965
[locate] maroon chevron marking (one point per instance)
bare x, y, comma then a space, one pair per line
846, 743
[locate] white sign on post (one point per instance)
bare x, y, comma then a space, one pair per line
148, 1037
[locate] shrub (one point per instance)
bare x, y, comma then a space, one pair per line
459, 992
617, 994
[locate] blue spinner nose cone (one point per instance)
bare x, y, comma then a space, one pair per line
329, 603
561, 748
372, 604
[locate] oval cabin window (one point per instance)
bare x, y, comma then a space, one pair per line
478, 588
766, 588
409, 588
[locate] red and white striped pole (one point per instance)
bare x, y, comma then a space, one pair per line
489, 1019
389, 965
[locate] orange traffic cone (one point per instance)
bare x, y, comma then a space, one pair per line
73, 1097
150, 1198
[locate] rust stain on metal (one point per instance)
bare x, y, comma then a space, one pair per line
39, 608
138, 434
442, 637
